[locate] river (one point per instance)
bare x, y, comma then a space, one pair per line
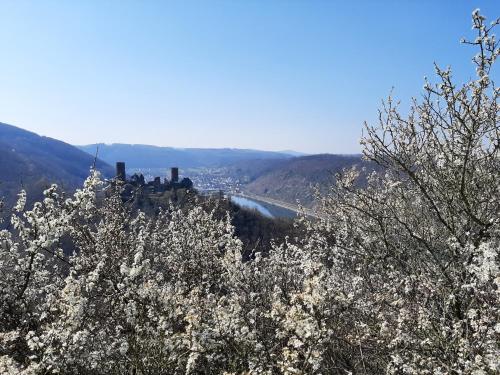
251, 204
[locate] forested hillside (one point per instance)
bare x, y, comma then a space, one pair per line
29, 161
294, 179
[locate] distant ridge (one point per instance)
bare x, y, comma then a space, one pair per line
33, 162
147, 156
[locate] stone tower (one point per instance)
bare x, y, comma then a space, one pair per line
120, 171
174, 174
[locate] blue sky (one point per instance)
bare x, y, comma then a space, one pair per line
271, 75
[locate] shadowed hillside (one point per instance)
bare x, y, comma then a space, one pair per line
33, 162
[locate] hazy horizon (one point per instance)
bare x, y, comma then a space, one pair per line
252, 75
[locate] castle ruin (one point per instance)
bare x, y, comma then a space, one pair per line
155, 186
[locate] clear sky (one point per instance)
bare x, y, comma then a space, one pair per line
270, 75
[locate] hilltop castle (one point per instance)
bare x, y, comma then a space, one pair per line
155, 186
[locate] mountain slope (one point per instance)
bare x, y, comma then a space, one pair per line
146, 156
293, 180
33, 162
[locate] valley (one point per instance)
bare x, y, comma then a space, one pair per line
279, 182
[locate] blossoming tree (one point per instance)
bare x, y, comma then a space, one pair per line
400, 275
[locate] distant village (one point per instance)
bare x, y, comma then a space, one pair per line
206, 180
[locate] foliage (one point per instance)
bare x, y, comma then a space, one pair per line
423, 237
